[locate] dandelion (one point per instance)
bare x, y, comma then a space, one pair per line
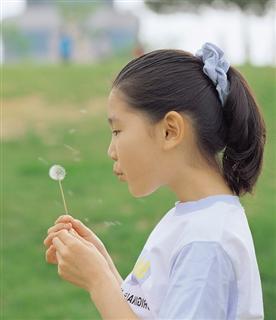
58, 173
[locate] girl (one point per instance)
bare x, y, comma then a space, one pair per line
189, 122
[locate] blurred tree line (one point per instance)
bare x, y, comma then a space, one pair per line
256, 7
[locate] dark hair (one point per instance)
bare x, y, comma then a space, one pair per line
165, 80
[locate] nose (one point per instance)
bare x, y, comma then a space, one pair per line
111, 152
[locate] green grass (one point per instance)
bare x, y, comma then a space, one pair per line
31, 288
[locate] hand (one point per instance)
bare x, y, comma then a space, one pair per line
79, 261
67, 222
50, 254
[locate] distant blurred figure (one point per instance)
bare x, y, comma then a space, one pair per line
65, 47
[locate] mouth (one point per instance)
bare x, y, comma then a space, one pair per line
120, 176
118, 173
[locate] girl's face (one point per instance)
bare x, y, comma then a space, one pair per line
135, 152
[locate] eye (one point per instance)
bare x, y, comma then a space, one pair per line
116, 131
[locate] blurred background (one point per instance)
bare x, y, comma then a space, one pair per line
58, 60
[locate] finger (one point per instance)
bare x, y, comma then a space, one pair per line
64, 218
58, 244
50, 255
48, 240
58, 256
59, 226
66, 238
53, 230
75, 234
77, 224
87, 234
80, 227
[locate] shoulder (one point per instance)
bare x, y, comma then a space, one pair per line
201, 283
199, 255
212, 224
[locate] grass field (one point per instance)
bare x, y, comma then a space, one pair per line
57, 114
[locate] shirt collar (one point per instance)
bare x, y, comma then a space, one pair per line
189, 206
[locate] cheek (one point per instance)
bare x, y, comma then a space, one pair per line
139, 160
134, 153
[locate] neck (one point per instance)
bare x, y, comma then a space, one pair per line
194, 184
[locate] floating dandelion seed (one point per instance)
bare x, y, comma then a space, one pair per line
70, 192
111, 223
42, 160
75, 151
58, 204
108, 223
58, 173
71, 131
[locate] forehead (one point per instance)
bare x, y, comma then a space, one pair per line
117, 108
119, 112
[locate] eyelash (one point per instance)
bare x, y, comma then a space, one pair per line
115, 131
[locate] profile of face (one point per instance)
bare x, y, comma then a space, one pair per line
137, 154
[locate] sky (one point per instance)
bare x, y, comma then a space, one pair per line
189, 31
11, 7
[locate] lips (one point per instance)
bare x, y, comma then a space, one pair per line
117, 173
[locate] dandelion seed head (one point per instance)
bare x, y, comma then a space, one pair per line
57, 172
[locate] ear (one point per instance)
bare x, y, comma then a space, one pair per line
174, 128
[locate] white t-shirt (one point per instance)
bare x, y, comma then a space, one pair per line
199, 262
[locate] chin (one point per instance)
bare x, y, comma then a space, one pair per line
143, 192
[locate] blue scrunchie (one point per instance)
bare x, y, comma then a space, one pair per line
215, 67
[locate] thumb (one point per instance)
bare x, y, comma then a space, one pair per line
82, 229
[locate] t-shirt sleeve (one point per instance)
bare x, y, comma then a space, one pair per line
202, 284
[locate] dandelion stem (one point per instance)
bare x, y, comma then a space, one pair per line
65, 207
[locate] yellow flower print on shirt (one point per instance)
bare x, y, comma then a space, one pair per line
141, 268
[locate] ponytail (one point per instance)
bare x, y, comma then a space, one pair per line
246, 136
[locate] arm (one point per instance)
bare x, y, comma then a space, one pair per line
202, 284
109, 300
112, 266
